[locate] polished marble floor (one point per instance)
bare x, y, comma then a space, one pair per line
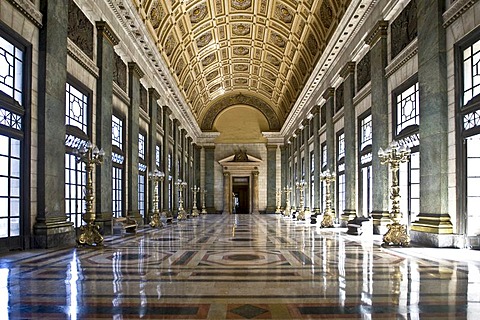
240, 267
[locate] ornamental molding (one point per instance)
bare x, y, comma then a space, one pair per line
402, 58
455, 10
28, 9
81, 57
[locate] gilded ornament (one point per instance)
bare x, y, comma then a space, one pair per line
241, 4
170, 44
212, 75
198, 13
240, 81
240, 29
269, 75
204, 39
180, 66
284, 14
240, 67
208, 59
312, 44
241, 51
156, 15
273, 60
326, 14
214, 88
277, 40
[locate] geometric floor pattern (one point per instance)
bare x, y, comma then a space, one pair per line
239, 267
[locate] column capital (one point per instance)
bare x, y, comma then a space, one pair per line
134, 69
315, 110
153, 93
380, 30
328, 93
104, 30
348, 69
305, 122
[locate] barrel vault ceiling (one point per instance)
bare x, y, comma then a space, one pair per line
254, 52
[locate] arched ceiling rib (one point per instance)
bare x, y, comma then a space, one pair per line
264, 49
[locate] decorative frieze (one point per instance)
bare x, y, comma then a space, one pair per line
80, 29
404, 28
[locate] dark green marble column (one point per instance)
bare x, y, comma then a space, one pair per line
328, 95
271, 178
175, 170
377, 40
317, 154
153, 96
306, 155
348, 74
166, 149
298, 174
209, 178
283, 172
51, 227
106, 39
434, 219
134, 76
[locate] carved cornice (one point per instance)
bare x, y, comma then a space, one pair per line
348, 69
28, 9
328, 93
78, 55
455, 10
135, 69
104, 29
401, 59
379, 31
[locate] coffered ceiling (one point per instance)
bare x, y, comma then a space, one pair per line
254, 52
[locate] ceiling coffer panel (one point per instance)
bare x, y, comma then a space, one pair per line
217, 49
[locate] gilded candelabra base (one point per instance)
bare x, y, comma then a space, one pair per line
155, 221
195, 212
90, 235
396, 235
327, 221
287, 212
301, 215
182, 215
278, 210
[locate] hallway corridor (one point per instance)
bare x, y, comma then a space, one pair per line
240, 267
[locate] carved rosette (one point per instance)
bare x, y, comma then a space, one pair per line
156, 14
241, 4
240, 67
170, 44
212, 75
273, 60
204, 39
198, 13
284, 14
241, 51
241, 29
240, 81
208, 59
277, 40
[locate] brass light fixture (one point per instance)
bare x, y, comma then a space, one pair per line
301, 187
182, 214
156, 176
195, 190
328, 177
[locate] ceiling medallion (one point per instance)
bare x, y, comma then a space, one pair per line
198, 13
214, 88
204, 39
212, 75
312, 44
277, 39
284, 14
240, 81
156, 15
170, 44
240, 29
241, 4
269, 75
241, 51
180, 66
208, 59
273, 60
240, 67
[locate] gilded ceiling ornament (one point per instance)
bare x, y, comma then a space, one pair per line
241, 51
277, 39
204, 39
180, 66
284, 14
312, 44
302, 67
269, 75
214, 88
156, 14
240, 67
170, 44
273, 60
240, 81
326, 14
241, 4
241, 29
212, 75
208, 59
267, 88
198, 13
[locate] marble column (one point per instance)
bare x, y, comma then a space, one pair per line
166, 148
284, 171
348, 74
153, 96
209, 178
291, 176
328, 95
175, 170
106, 39
377, 40
271, 178
306, 155
434, 219
317, 154
183, 168
255, 192
51, 228
298, 173
227, 193
134, 76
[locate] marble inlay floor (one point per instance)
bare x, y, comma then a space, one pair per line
240, 267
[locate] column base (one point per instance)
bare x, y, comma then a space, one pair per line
104, 221
55, 232
135, 215
347, 215
436, 240
380, 221
433, 223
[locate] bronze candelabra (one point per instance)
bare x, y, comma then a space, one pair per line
204, 209
278, 199
156, 176
195, 212
301, 187
393, 156
91, 156
328, 177
288, 209
182, 214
